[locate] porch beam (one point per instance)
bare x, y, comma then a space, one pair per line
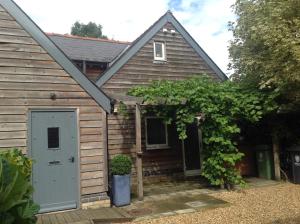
138, 146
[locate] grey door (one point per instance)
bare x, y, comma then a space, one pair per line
54, 149
192, 162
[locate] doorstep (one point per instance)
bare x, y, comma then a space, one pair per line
87, 216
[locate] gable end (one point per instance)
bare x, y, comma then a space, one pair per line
38, 35
147, 36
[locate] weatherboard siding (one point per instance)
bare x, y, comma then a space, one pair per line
156, 163
28, 75
182, 63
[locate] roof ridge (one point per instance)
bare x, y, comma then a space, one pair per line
87, 38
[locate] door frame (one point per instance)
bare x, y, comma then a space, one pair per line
189, 173
29, 143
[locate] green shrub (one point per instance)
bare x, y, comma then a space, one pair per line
16, 157
16, 205
121, 165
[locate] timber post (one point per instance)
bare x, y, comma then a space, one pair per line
105, 148
138, 146
276, 149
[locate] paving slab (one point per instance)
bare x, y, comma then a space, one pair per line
173, 204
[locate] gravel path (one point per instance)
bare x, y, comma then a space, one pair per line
278, 204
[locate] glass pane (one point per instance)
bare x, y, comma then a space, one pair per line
156, 131
53, 138
158, 50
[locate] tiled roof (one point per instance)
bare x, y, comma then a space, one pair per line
88, 49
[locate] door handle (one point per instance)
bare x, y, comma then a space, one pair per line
72, 159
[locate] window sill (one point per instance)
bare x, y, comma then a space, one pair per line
159, 61
157, 147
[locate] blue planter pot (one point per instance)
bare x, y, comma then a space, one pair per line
121, 190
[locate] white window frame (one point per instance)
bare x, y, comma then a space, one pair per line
163, 57
156, 146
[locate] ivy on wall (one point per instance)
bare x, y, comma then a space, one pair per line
223, 104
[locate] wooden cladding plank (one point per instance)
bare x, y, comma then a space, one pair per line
5, 16
48, 102
121, 132
16, 39
13, 135
121, 122
120, 126
36, 79
91, 175
40, 86
122, 136
11, 110
5, 127
92, 182
92, 190
28, 63
13, 32
85, 110
90, 138
12, 118
9, 24
90, 131
21, 48
32, 71
91, 145
91, 159
41, 94
159, 69
90, 117
25, 55
127, 151
12, 143
91, 124
91, 167
91, 152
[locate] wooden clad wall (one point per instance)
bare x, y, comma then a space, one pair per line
156, 163
93, 73
182, 63
28, 75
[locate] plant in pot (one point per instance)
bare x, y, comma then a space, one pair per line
120, 170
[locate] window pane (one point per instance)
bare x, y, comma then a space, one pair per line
158, 50
53, 138
156, 131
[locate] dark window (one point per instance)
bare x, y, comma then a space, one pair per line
156, 133
53, 138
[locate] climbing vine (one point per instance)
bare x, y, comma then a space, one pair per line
224, 106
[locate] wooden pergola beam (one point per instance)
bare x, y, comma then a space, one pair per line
138, 146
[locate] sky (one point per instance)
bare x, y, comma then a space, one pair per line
205, 20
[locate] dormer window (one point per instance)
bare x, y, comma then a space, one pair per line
159, 51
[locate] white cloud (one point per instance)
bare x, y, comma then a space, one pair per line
206, 20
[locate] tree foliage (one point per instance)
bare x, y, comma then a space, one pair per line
224, 106
265, 51
87, 30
